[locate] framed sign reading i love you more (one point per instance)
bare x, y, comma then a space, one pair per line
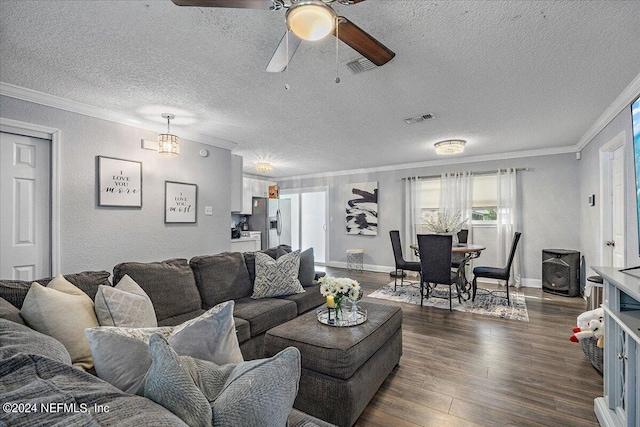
119, 182
180, 202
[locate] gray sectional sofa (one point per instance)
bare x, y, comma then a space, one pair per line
179, 291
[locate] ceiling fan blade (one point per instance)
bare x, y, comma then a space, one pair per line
238, 4
348, 2
363, 43
279, 60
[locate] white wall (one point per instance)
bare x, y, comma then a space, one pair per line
97, 238
590, 184
550, 194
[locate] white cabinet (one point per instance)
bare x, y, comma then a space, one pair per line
252, 187
236, 183
251, 243
620, 405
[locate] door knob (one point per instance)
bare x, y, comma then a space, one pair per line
610, 243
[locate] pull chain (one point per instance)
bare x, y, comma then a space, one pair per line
337, 44
286, 70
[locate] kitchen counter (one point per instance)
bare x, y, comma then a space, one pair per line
250, 241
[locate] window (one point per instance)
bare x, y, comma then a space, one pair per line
485, 198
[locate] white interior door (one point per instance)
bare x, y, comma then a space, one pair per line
25, 207
313, 224
617, 208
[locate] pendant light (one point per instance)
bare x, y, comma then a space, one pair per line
168, 144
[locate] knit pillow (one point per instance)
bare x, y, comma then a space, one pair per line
276, 278
125, 304
256, 393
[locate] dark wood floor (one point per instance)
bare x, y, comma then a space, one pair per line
461, 369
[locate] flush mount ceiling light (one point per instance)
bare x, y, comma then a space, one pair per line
311, 19
450, 147
263, 167
168, 144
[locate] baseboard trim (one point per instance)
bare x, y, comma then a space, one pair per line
606, 417
525, 282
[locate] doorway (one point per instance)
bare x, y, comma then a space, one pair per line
612, 219
309, 220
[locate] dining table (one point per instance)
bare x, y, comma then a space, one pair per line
468, 251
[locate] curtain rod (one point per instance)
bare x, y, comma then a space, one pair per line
473, 173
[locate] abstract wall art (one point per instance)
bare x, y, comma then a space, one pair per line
362, 208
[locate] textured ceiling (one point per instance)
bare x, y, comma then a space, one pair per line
504, 75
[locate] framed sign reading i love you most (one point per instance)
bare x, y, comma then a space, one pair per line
180, 202
119, 182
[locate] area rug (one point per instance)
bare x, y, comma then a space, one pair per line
486, 303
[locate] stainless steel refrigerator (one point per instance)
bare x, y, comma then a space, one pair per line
273, 218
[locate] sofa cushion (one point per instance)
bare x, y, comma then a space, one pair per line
15, 291
40, 380
221, 277
307, 272
256, 393
265, 313
170, 284
10, 312
121, 355
16, 338
243, 331
279, 277
180, 318
125, 304
308, 300
62, 311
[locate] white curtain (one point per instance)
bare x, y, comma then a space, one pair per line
456, 194
508, 222
413, 216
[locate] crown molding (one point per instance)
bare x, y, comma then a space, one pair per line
628, 95
442, 162
53, 101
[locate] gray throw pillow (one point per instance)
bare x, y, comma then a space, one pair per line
16, 338
276, 278
125, 304
256, 393
10, 312
121, 355
307, 272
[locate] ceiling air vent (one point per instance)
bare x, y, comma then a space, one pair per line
417, 119
360, 65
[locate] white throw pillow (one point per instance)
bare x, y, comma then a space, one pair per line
121, 355
125, 304
63, 312
276, 278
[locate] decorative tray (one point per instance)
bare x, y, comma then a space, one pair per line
327, 316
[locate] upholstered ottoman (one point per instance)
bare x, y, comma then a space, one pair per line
342, 367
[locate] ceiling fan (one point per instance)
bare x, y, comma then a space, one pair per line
308, 20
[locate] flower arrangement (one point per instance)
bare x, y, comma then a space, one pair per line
336, 289
445, 222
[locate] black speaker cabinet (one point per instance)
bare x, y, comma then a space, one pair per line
561, 272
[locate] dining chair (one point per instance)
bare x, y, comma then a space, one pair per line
435, 263
496, 272
401, 263
457, 258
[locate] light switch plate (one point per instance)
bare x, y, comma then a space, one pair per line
149, 145
208, 210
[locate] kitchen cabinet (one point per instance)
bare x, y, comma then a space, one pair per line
249, 242
236, 183
620, 405
252, 187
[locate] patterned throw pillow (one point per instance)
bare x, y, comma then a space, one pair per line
276, 278
255, 393
125, 304
121, 355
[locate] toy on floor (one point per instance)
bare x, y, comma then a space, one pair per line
594, 327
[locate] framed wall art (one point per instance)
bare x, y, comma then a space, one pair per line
180, 202
362, 208
119, 182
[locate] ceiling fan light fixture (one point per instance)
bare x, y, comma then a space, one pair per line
311, 20
263, 167
168, 144
450, 147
